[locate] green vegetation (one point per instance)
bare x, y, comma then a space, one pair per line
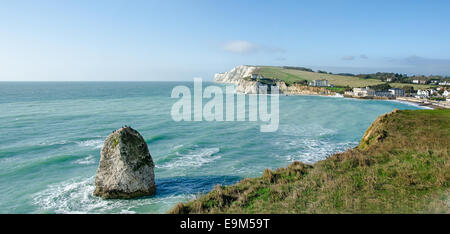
401, 78
438, 98
381, 87
115, 140
415, 86
296, 75
400, 166
384, 76
340, 90
291, 75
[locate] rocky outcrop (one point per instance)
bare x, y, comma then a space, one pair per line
235, 75
126, 167
254, 87
251, 87
298, 89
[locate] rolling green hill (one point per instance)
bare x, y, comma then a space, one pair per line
402, 165
294, 75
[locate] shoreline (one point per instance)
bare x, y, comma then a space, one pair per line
410, 103
402, 100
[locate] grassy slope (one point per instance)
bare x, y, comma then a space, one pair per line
291, 75
400, 166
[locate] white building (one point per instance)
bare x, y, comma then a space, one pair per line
417, 81
445, 83
349, 93
396, 92
423, 93
363, 92
446, 93
383, 94
319, 83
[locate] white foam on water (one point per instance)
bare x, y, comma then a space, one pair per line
411, 104
76, 197
311, 150
305, 131
50, 143
69, 197
96, 144
127, 212
89, 160
309, 143
177, 147
193, 158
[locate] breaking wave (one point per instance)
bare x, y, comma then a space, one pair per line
76, 197
89, 160
192, 158
96, 144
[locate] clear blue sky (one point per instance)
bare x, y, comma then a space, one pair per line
179, 40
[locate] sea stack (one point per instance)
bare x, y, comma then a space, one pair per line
126, 167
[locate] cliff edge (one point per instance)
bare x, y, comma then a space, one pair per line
400, 166
235, 75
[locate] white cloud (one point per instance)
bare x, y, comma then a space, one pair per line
240, 47
351, 57
246, 47
348, 58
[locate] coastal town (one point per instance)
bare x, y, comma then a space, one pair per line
436, 96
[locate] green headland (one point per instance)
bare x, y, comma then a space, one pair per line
401, 165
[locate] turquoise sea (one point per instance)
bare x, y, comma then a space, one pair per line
51, 135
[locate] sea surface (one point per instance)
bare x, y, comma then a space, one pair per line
51, 135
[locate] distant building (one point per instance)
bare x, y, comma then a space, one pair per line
396, 92
363, 92
388, 79
319, 83
445, 83
423, 93
417, 81
434, 81
383, 94
349, 93
446, 93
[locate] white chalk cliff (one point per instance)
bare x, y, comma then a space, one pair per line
235, 75
246, 86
